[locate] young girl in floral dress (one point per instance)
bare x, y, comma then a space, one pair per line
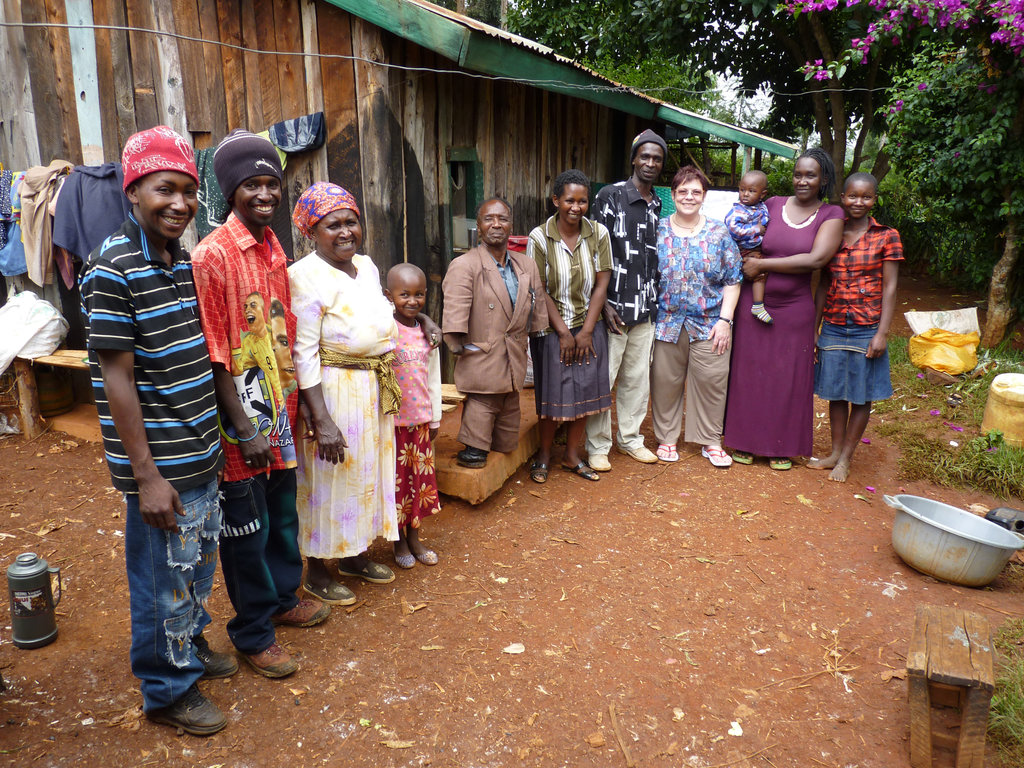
418, 369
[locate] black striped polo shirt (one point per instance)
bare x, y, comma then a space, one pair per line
134, 302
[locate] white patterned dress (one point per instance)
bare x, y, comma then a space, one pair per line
344, 507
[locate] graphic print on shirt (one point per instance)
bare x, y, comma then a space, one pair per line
261, 370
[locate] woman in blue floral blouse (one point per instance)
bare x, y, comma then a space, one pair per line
701, 271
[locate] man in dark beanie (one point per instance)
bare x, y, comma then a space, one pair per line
630, 210
240, 270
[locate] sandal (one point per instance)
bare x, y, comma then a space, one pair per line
742, 457
583, 471
333, 594
716, 456
667, 453
375, 573
539, 472
780, 464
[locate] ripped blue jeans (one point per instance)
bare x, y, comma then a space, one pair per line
170, 576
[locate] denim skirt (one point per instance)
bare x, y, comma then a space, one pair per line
843, 372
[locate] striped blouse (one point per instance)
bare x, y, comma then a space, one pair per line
570, 276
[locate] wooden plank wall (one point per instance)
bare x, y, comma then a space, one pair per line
388, 129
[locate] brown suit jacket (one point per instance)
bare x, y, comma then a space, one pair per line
476, 303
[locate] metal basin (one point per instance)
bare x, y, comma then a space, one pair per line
949, 543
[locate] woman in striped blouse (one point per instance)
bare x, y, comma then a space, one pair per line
570, 358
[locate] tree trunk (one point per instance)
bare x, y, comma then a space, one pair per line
1000, 312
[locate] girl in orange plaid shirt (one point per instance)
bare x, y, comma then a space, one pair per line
855, 302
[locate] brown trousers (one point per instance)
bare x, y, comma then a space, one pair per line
490, 422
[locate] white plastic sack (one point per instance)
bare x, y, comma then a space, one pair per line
955, 320
29, 328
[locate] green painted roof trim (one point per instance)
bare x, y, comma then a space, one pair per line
491, 54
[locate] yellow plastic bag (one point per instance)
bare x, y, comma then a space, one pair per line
946, 351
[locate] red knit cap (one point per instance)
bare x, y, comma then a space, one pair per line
158, 149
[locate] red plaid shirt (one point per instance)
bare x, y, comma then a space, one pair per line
245, 310
855, 292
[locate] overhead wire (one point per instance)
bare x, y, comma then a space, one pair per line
562, 84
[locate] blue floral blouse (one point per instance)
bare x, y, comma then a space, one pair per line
694, 270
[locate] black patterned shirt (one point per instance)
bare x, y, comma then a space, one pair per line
633, 224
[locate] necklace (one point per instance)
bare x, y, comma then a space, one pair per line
802, 224
690, 230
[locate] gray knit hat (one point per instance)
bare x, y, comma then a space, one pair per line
647, 137
242, 155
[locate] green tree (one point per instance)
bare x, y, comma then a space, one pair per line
761, 45
957, 135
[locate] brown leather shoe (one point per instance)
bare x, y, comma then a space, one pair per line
274, 661
306, 613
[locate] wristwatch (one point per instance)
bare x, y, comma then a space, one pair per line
727, 319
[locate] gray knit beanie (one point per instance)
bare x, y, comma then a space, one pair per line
242, 155
647, 137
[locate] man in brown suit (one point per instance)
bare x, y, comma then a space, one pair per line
492, 300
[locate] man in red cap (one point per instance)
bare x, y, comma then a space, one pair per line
153, 387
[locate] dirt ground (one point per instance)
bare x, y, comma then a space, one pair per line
669, 615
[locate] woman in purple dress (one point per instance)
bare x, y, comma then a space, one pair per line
769, 410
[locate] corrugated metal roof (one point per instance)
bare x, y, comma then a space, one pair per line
451, 34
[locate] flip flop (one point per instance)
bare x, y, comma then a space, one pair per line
539, 472
667, 452
427, 557
333, 594
583, 471
375, 573
780, 464
742, 457
717, 457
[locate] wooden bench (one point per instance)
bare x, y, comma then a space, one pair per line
949, 665
32, 423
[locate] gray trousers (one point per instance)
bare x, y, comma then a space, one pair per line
706, 379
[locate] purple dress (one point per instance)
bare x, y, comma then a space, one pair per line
770, 407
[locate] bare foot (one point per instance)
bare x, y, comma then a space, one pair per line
841, 472
827, 463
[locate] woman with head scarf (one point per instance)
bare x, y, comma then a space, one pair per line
343, 353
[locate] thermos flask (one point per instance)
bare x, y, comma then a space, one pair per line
33, 620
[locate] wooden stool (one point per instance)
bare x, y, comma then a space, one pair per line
949, 664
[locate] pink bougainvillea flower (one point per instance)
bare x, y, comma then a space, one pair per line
869, 488
934, 411
920, 375
866, 440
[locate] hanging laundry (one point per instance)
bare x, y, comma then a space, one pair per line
91, 207
213, 208
299, 134
37, 190
12, 255
6, 211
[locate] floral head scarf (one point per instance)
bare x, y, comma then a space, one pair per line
319, 200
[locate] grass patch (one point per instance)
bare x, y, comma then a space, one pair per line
1006, 718
924, 420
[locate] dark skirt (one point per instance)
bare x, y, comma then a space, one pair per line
843, 372
570, 392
